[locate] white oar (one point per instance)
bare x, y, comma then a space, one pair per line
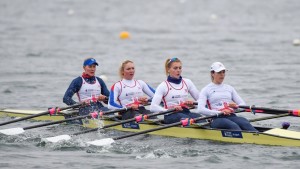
56, 138
12, 131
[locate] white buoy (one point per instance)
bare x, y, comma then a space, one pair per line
103, 77
296, 42
213, 16
70, 12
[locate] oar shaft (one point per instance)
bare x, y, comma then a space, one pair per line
269, 117
134, 119
71, 119
267, 110
123, 122
117, 110
56, 122
163, 127
37, 115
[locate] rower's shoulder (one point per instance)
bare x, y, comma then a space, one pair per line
100, 80
77, 81
187, 80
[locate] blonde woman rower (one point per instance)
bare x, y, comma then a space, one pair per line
174, 91
127, 91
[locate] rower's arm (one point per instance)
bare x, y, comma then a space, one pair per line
156, 100
73, 88
104, 90
202, 105
148, 90
113, 102
236, 98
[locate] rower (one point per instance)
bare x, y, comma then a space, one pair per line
174, 93
129, 92
222, 98
89, 89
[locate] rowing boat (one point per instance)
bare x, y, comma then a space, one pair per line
266, 136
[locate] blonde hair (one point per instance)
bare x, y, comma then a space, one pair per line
122, 66
169, 62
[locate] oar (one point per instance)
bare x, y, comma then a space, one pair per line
269, 117
19, 130
185, 122
50, 111
137, 119
272, 111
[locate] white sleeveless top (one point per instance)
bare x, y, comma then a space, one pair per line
129, 93
174, 95
87, 91
171, 94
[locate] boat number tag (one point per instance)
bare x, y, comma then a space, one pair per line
131, 125
233, 134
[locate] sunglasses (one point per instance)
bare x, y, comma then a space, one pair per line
172, 60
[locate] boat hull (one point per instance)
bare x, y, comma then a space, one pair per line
276, 137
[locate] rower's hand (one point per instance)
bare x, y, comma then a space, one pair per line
178, 108
227, 112
134, 106
86, 103
101, 98
233, 105
143, 100
189, 103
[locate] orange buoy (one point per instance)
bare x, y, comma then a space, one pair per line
124, 35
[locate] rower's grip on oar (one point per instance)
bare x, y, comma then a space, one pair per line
141, 118
187, 122
296, 113
54, 110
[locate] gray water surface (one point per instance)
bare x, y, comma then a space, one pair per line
43, 45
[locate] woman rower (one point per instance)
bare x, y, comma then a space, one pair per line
173, 92
129, 92
88, 88
217, 97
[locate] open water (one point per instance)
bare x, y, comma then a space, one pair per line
43, 44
